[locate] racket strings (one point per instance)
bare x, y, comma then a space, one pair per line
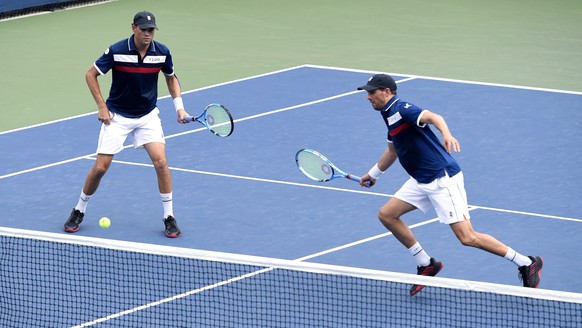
219, 120
314, 166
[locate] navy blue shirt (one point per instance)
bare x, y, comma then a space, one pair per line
419, 150
134, 85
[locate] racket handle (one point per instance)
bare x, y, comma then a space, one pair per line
192, 118
357, 179
354, 177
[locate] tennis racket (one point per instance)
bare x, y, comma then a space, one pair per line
216, 118
317, 167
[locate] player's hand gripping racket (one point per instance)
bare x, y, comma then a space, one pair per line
215, 118
317, 167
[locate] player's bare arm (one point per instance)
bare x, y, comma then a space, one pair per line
103, 114
386, 160
388, 157
449, 142
176, 92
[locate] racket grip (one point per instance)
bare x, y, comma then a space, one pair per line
189, 118
354, 177
357, 179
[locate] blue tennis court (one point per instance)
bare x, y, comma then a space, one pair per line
244, 194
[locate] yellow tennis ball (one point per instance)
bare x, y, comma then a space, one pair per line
104, 222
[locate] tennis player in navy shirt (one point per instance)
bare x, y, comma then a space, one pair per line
436, 180
131, 109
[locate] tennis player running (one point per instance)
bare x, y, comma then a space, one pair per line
435, 180
131, 110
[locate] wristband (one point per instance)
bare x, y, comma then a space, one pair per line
375, 172
178, 103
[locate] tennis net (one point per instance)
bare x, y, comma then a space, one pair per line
14, 9
56, 280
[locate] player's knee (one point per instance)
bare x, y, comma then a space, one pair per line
100, 170
469, 240
386, 217
160, 164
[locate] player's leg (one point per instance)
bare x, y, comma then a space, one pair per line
102, 164
111, 139
530, 267
157, 153
390, 216
92, 181
151, 136
409, 197
449, 199
469, 237
450, 203
406, 199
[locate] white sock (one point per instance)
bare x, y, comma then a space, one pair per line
83, 201
168, 204
421, 257
518, 259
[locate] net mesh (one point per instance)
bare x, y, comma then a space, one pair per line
15, 9
53, 283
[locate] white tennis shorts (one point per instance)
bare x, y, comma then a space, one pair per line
446, 195
144, 130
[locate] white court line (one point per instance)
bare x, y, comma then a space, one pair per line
183, 92
410, 76
471, 207
424, 77
276, 111
527, 213
259, 179
38, 168
173, 298
190, 131
365, 240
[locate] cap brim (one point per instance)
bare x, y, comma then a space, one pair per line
368, 87
145, 26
